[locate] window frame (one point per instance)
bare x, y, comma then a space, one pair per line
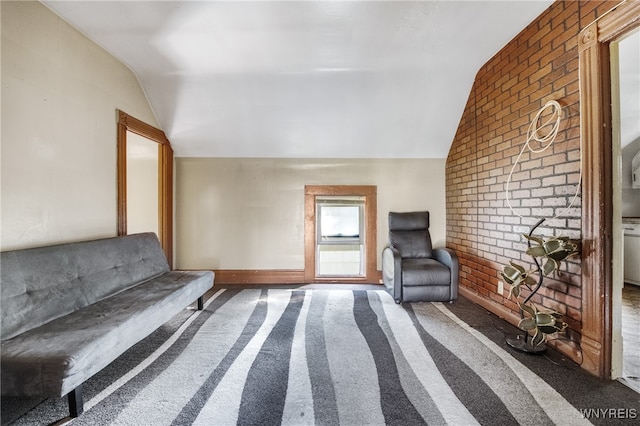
337, 240
369, 193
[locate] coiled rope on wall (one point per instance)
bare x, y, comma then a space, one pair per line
534, 133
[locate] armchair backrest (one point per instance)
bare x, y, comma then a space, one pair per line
409, 233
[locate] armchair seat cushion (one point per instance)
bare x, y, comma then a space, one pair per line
424, 271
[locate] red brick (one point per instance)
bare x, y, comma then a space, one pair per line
540, 64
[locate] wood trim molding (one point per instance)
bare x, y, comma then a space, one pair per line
597, 220
267, 276
165, 178
122, 178
499, 309
370, 192
141, 128
165, 207
259, 276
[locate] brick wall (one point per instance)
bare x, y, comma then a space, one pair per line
538, 65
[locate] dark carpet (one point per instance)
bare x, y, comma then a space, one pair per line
269, 356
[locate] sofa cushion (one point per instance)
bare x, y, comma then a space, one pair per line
420, 272
45, 283
53, 359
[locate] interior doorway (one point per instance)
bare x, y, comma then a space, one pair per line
340, 234
601, 224
135, 185
625, 101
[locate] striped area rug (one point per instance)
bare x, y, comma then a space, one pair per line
318, 357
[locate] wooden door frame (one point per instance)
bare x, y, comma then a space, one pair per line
370, 194
165, 178
597, 213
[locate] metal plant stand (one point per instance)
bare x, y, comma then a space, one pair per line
522, 342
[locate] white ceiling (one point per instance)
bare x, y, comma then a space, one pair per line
304, 79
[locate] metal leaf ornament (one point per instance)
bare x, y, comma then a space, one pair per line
554, 250
516, 276
548, 255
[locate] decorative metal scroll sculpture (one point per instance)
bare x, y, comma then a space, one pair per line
547, 254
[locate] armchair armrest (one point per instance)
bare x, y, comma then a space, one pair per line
391, 272
449, 258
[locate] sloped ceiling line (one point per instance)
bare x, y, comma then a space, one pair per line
308, 79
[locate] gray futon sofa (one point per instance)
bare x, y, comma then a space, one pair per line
69, 310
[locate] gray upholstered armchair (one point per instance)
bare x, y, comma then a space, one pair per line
413, 271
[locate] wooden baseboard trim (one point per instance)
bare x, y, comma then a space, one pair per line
490, 306
570, 349
259, 276
277, 276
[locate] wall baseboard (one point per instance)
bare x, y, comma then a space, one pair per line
274, 276
490, 306
259, 276
570, 349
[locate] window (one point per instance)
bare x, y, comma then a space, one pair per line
340, 249
340, 234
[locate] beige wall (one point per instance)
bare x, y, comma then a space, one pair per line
249, 213
60, 93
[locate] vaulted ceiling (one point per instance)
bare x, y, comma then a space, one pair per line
304, 79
